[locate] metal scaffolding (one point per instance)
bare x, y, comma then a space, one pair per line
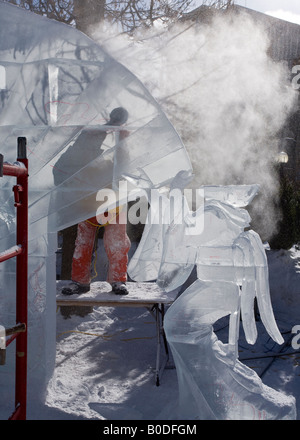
19, 331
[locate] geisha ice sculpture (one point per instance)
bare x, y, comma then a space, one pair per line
232, 271
58, 86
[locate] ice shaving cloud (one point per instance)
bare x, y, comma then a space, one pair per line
226, 98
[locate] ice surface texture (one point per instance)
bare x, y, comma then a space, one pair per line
58, 88
232, 271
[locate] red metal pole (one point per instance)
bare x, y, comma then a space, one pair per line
10, 253
13, 170
22, 285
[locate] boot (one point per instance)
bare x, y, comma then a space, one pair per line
119, 288
75, 289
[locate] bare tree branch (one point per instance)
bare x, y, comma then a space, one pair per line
128, 14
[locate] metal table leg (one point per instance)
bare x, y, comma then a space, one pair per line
159, 318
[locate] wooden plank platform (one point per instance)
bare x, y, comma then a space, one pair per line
147, 295
140, 295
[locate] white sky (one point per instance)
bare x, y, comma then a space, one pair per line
288, 10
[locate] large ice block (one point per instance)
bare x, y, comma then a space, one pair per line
58, 89
213, 384
232, 271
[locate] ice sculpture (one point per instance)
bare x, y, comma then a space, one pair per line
231, 271
57, 89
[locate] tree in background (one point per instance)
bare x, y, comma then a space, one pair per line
60, 10
133, 14
128, 14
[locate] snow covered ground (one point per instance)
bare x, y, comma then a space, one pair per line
105, 360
